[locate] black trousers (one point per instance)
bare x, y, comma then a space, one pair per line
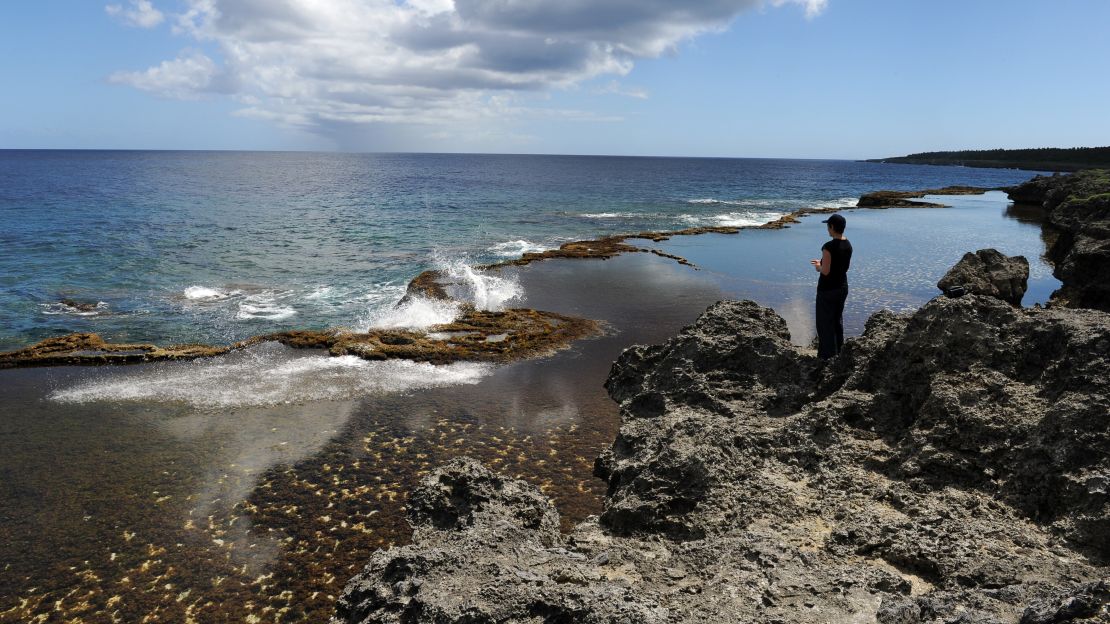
830, 321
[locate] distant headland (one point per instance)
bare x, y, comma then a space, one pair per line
1038, 159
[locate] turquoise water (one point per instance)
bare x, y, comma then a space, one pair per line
217, 246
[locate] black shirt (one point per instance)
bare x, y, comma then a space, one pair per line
841, 252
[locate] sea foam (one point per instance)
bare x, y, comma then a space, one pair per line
59, 307
413, 313
711, 201
467, 285
731, 219
194, 293
481, 289
516, 248
613, 215
269, 374
264, 306
744, 219
842, 202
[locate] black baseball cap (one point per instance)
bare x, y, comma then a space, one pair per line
836, 221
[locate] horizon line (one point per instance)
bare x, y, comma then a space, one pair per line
408, 153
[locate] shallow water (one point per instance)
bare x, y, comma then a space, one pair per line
256, 484
898, 257
306, 490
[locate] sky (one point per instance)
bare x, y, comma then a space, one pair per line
723, 78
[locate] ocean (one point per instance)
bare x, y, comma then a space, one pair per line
212, 247
250, 487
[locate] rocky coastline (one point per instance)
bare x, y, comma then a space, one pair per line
1077, 208
951, 465
1037, 159
476, 336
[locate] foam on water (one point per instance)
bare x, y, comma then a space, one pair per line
319, 293
264, 306
387, 291
61, 308
482, 289
736, 202
413, 313
843, 202
195, 293
269, 374
744, 219
516, 248
731, 219
613, 215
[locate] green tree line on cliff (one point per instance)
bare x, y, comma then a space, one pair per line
1042, 158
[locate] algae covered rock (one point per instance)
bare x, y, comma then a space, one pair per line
989, 272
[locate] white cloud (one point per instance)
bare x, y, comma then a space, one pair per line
187, 77
323, 66
616, 88
142, 14
813, 7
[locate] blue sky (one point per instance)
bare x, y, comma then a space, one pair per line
781, 78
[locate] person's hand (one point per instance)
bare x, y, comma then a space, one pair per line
815, 262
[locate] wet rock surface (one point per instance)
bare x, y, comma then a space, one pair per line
952, 465
988, 272
1078, 208
910, 199
476, 336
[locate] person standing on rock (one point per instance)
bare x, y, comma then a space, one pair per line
832, 288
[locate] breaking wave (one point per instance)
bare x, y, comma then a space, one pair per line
517, 248
731, 219
465, 284
204, 293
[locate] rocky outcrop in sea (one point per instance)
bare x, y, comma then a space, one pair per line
1077, 212
951, 465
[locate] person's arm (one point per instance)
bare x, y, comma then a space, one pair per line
825, 265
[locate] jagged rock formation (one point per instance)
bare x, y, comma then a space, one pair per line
486, 549
952, 465
989, 272
1078, 207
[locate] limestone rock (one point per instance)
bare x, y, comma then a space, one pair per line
1077, 207
950, 465
486, 549
989, 272
736, 358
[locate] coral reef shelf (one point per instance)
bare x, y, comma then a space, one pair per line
475, 336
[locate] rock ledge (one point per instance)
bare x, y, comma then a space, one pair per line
951, 465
